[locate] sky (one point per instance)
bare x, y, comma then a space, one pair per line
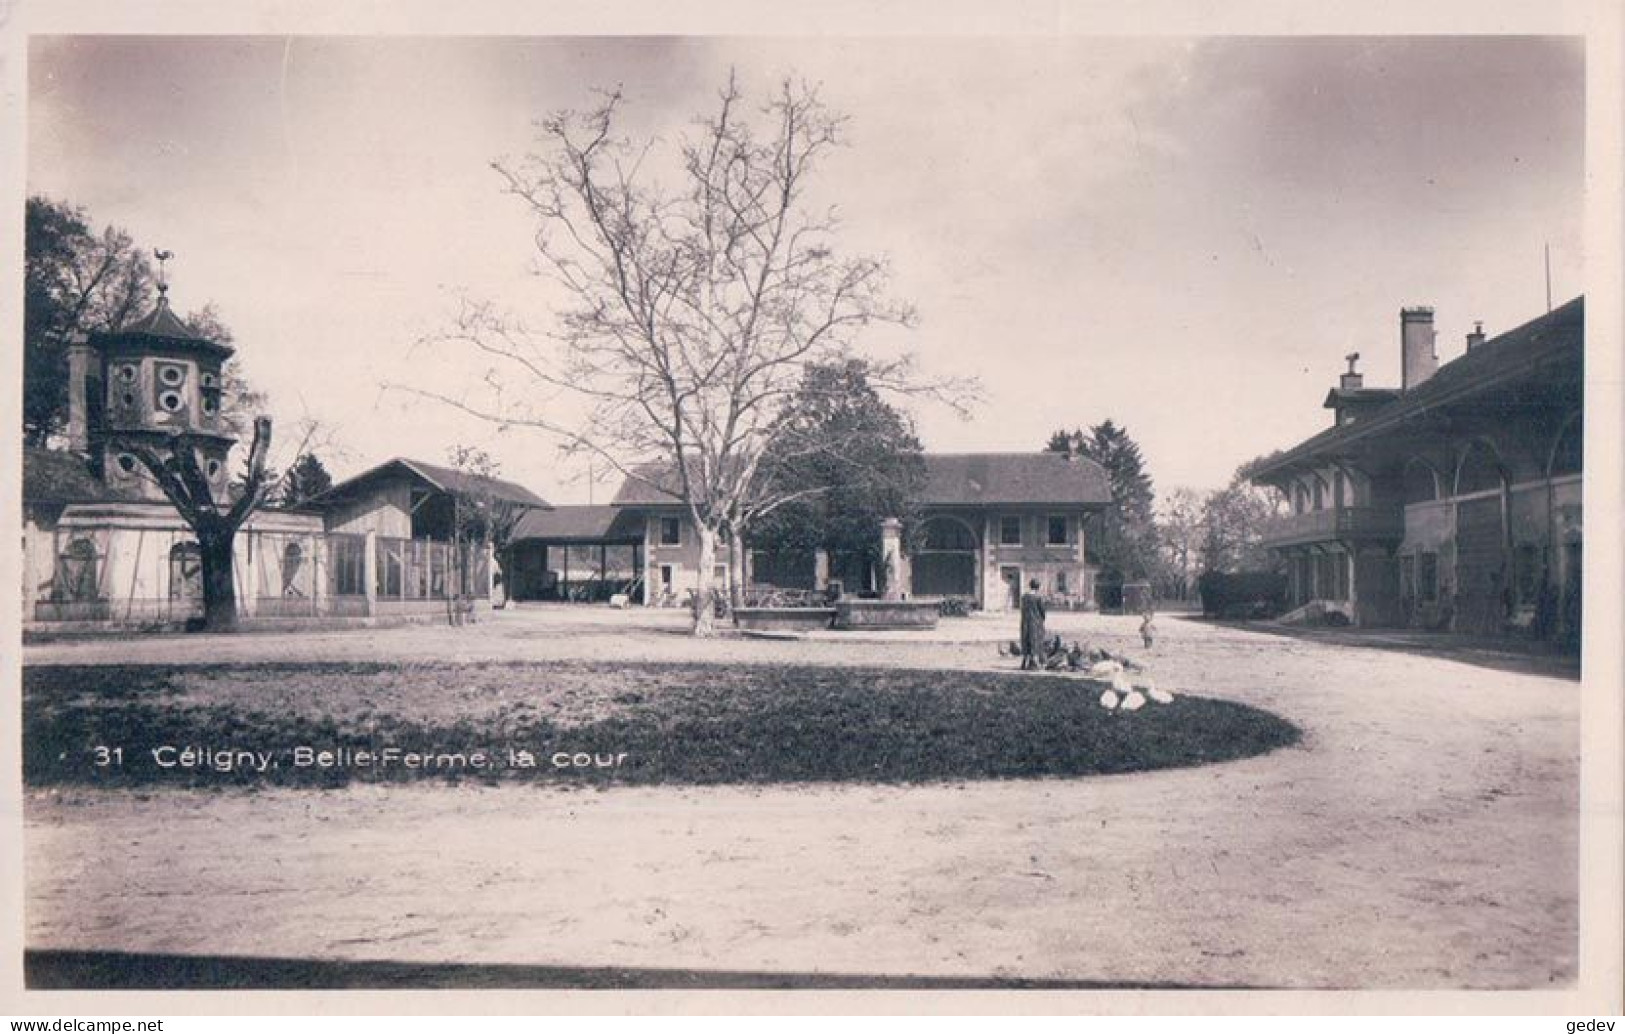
1183, 235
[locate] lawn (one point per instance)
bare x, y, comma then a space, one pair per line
590, 723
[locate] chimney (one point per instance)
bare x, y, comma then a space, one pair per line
1074, 446
80, 356
1476, 338
1418, 358
1353, 380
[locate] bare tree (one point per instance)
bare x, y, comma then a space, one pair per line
178, 469
693, 313
485, 515
1182, 533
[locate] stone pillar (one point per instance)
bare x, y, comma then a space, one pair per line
820, 569
369, 570
248, 593
33, 535
651, 570
891, 551
80, 355
988, 582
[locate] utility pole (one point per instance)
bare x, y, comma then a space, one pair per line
1548, 276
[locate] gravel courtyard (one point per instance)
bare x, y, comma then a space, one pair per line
1423, 834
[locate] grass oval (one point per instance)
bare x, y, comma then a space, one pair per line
694, 724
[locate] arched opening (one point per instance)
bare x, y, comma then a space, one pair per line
1479, 470
1419, 483
293, 566
78, 571
186, 572
945, 562
1568, 453
1320, 494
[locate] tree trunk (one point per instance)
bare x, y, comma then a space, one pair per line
736, 570
705, 624
219, 586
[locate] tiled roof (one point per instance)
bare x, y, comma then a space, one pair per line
1491, 363
162, 322
958, 479
445, 479
976, 479
572, 523
652, 484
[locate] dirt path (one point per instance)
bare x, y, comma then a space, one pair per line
1424, 835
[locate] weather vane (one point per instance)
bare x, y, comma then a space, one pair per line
1352, 357
163, 280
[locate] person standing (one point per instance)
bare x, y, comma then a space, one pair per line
1032, 627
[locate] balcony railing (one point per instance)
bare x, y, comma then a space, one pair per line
1342, 522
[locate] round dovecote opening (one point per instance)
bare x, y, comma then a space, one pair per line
210, 406
126, 462
127, 373
207, 379
170, 401
128, 398
213, 469
172, 376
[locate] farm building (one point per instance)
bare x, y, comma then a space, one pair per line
1452, 501
990, 522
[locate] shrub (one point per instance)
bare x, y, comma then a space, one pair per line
1244, 594
953, 607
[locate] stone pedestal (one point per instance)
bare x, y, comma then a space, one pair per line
891, 552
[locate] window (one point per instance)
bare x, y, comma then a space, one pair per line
1057, 531
1427, 577
671, 531
1407, 581
1060, 583
1009, 531
665, 577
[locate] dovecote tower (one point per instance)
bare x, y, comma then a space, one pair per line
148, 382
